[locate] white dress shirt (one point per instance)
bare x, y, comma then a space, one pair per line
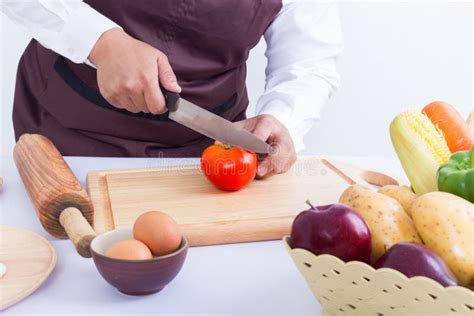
303, 43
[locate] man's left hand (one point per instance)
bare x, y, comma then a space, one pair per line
272, 131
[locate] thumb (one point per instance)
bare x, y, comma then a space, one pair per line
264, 167
166, 75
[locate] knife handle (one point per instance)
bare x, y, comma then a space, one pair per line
171, 99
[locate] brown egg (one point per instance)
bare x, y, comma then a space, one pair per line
129, 250
158, 231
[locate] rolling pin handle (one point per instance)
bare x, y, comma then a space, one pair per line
78, 229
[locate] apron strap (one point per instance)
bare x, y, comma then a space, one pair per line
94, 96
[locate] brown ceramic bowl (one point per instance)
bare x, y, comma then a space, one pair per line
136, 277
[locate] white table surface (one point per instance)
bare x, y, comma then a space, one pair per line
242, 279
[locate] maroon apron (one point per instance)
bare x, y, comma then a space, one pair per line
207, 43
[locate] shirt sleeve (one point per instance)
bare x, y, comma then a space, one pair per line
303, 43
69, 27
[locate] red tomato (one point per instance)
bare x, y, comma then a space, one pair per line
229, 168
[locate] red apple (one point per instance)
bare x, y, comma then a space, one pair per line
416, 260
334, 229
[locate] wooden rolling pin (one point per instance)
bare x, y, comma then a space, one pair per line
62, 205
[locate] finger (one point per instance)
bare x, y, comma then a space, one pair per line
284, 156
265, 167
282, 164
112, 97
166, 75
138, 100
115, 102
263, 129
154, 99
127, 104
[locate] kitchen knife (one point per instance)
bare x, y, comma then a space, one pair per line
212, 125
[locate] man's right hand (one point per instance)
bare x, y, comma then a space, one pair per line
129, 73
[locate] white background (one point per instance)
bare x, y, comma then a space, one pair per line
397, 56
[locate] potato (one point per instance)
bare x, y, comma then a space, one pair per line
387, 221
403, 194
445, 222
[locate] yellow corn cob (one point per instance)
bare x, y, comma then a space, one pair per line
421, 148
470, 121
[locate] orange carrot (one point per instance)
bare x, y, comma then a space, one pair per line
455, 129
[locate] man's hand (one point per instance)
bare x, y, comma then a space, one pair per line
129, 73
269, 129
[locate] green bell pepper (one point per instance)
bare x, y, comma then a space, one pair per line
457, 175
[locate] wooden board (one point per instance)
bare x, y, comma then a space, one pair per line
264, 210
29, 259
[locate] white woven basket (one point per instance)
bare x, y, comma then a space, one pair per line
355, 288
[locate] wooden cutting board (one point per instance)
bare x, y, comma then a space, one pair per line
264, 210
29, 259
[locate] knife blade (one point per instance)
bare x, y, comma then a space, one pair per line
211, 125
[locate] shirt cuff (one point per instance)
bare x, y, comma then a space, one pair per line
80, 33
